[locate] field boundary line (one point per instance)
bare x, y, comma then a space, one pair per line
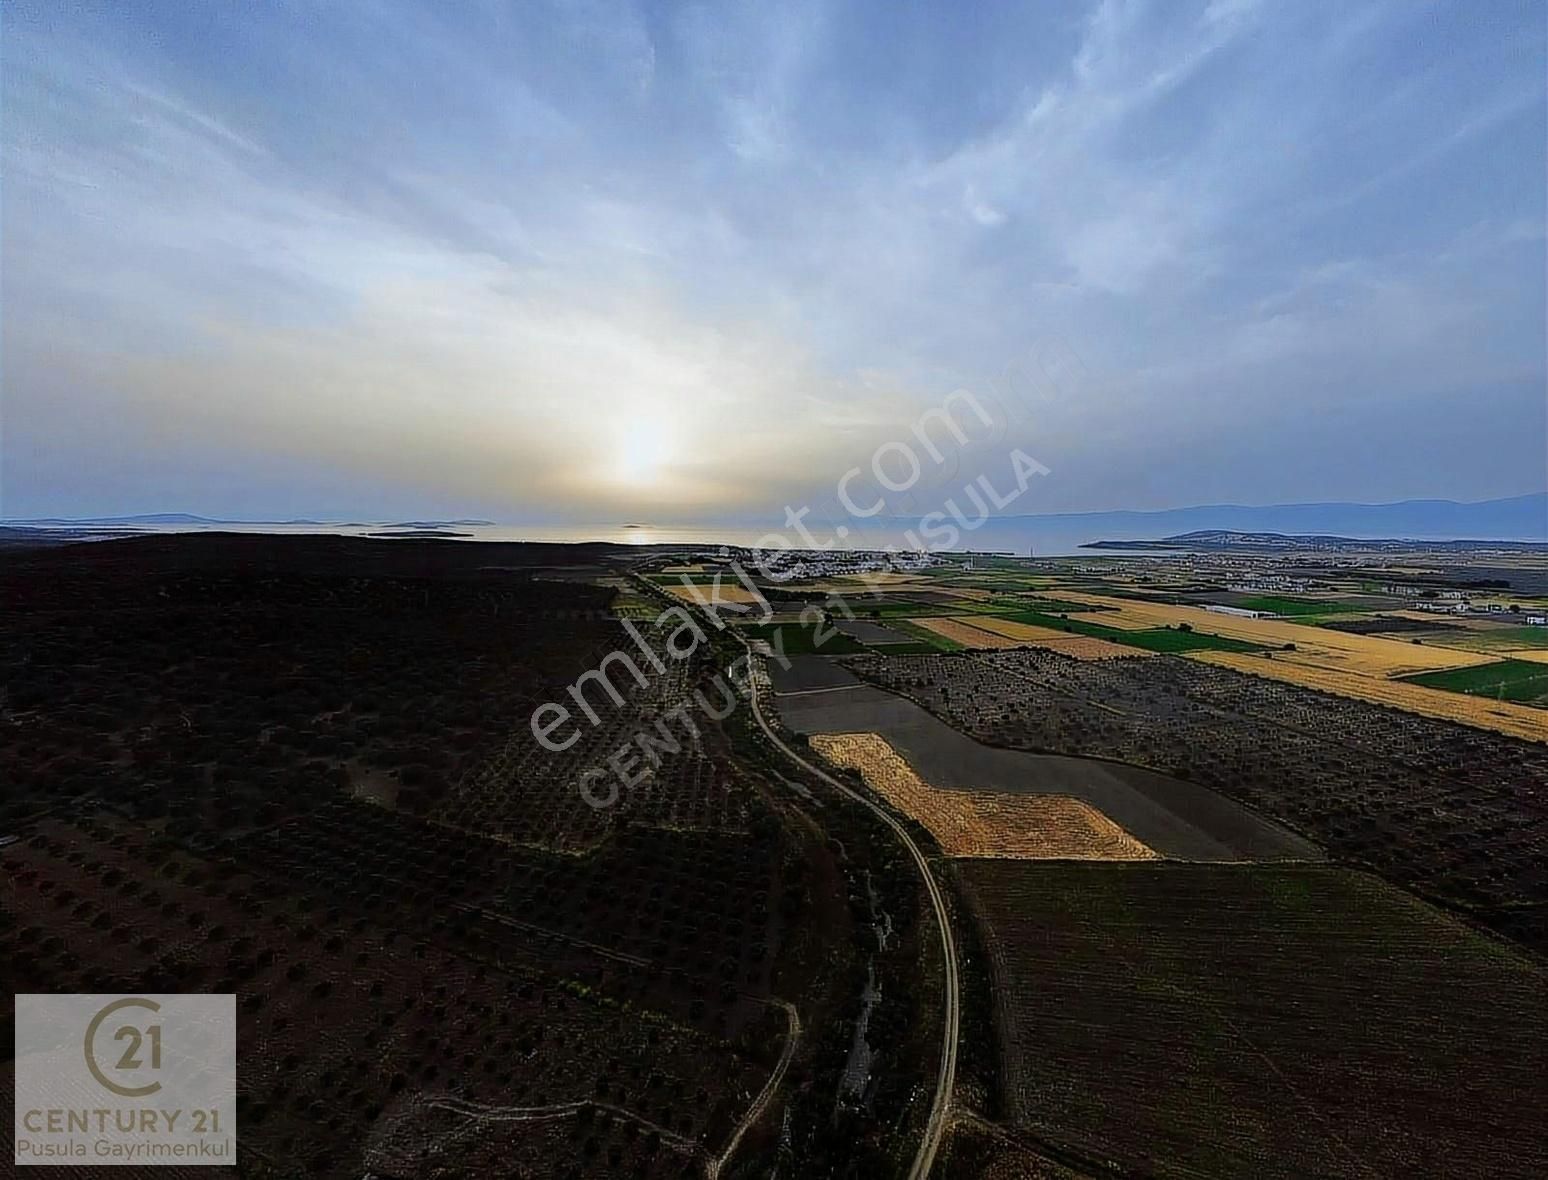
810, 692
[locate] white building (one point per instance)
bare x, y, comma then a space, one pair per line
1240, 612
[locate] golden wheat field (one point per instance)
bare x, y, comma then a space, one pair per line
986, 632
1081, 647
730, 591
981, 823
1089, 647
1025, 632
1501, 716
963, 632
1367, 655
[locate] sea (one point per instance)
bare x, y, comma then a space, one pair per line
1020, 537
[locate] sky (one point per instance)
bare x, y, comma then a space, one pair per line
583, 262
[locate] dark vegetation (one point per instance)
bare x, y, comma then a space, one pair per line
217, 688
1388, 625
1188, 1020
301, 770
356, 1017
1455, 813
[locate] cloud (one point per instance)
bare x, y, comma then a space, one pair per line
466, 255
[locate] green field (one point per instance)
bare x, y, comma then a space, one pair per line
1162, 639
1074, 626
1165, 639
896, 607
925, 636
1508, 680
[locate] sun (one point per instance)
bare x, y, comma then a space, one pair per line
645, 448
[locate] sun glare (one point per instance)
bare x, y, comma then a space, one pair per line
644, 449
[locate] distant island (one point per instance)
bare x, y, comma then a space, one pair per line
165, 519
417, 532
1228, 540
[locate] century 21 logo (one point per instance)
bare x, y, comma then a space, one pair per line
135, 1040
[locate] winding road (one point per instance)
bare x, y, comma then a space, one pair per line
935, 1128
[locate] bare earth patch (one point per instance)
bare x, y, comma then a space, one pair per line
981, 823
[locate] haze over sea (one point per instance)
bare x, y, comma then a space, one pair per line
1518, 518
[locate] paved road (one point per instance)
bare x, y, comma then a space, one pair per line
935, 1128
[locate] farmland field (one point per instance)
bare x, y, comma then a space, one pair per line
962, 633
696, 576
1260, 1021
1368, 654
706, 591
1110, 621
1174, 640
992, 633
1050, 606
983, 823
1396, 623
800, 639
1509, 680
1280, 605
1101, 642
1501, 640
1012, 630
1175, 818
868, 632
916, 629
1088, 647
1516, 720
1449, 811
